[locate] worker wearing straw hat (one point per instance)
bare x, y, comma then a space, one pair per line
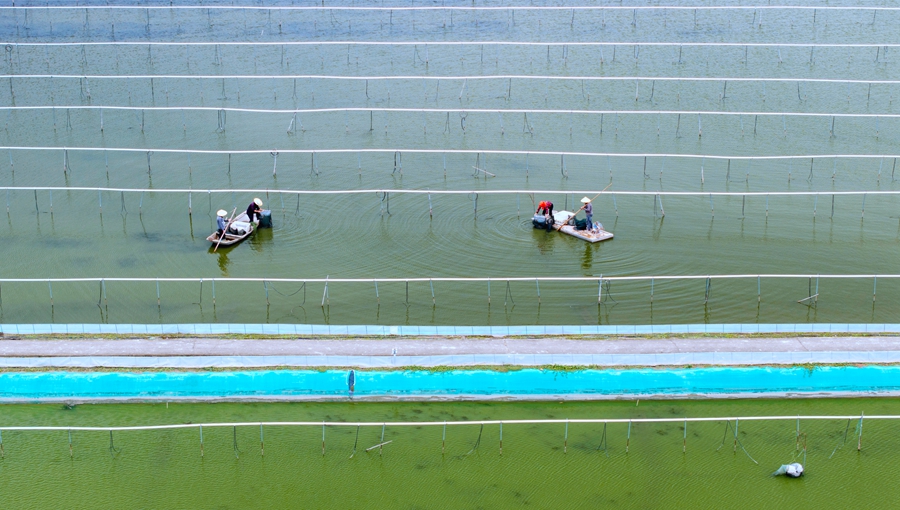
254, 209
220, 221
588, 211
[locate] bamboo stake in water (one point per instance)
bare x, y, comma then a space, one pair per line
628, 438
859, 438
735, 435
355, 442
379, 445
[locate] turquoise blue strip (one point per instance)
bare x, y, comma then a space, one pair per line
453, 360
19, 386
369, 330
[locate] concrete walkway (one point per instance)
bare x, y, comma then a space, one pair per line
425, 346
431, 351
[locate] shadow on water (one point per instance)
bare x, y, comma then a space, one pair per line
222, 259
261, 238
587, 261
544, 240
221, 253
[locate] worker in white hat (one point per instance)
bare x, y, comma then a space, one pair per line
220, 221
255, 210
588, 212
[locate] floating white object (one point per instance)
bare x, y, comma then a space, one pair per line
793, 470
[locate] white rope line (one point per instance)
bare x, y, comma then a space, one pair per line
473, 279
454, 192
444, 78
452, 43
442, 423
452, 151
709, 113
452, 8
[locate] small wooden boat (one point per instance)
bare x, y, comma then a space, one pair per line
592, 235
239, 229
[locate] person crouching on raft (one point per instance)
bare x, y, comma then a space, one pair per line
220, 221
255, 210
546, 208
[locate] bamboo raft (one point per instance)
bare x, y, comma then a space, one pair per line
593, 235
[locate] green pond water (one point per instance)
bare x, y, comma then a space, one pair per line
538, 468
111, 234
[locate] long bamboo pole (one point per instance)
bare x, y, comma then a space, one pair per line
226, 229
582, 207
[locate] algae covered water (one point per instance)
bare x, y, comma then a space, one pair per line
539, 466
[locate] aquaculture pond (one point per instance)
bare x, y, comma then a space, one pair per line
642, 465
145, 122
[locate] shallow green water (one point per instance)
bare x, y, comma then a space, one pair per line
366, 237
165, 469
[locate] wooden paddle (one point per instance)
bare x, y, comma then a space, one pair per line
561, 225
226, 230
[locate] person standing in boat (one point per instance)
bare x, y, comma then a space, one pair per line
545, 207
254, 210
588, 212
220, 221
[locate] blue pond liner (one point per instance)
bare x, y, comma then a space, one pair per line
488, 383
